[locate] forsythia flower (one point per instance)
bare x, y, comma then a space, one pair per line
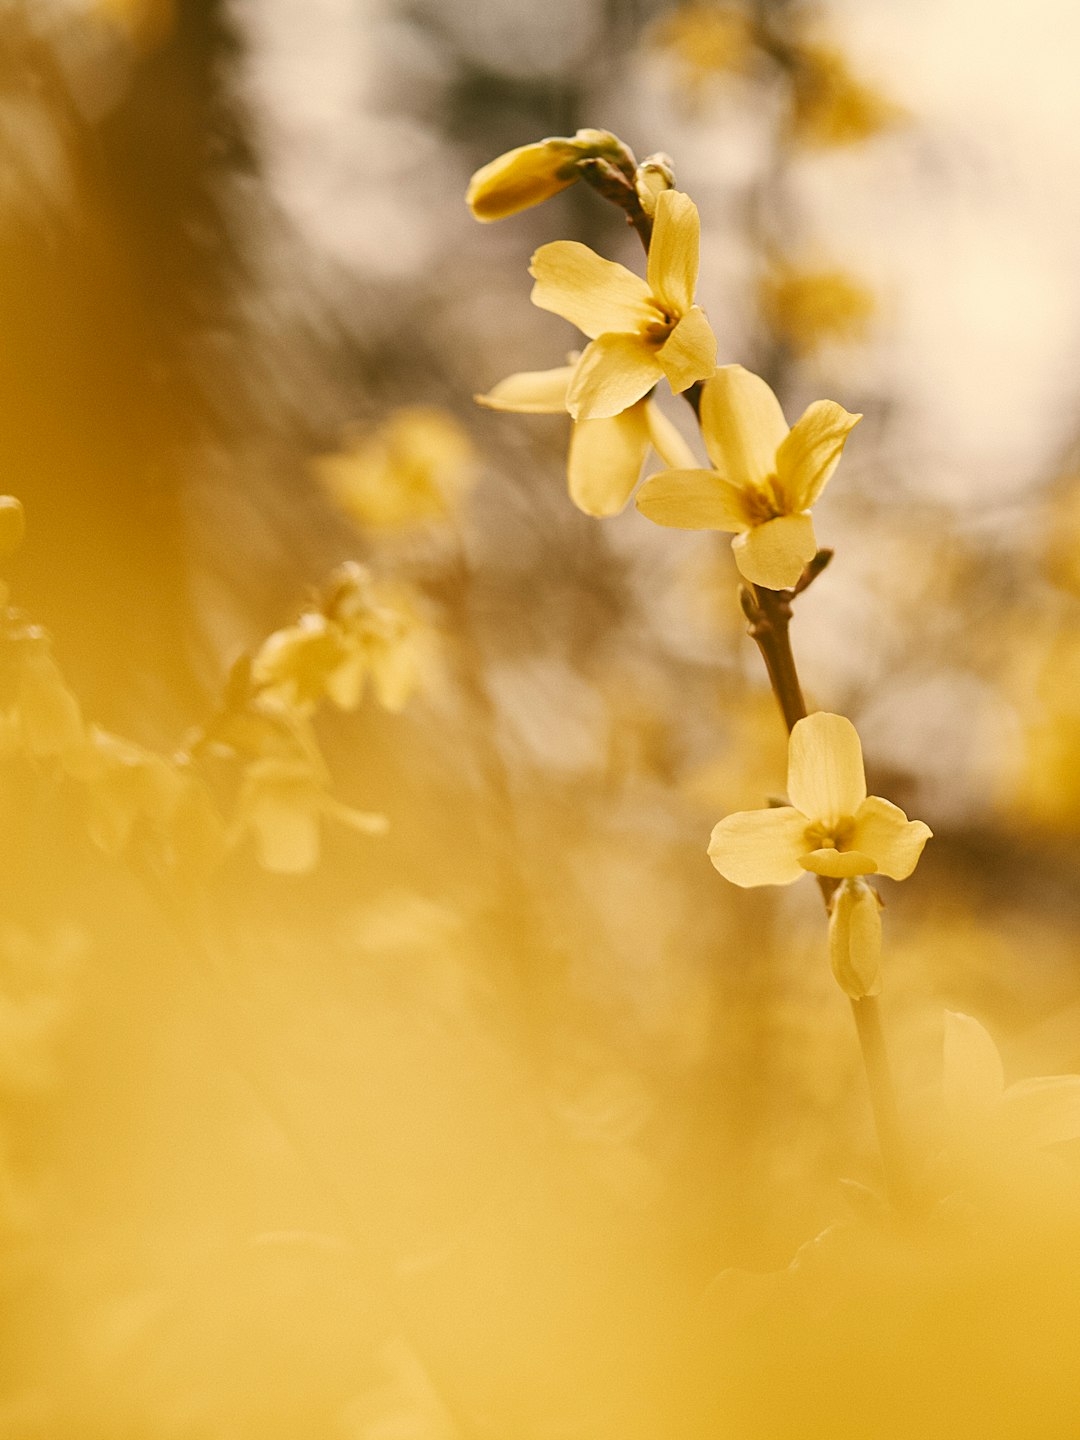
606, 455
706, 39
805, 308
831, 107
533, 173
280, 804
832, 827
414, 468
985, 1113
766, 478
641, 330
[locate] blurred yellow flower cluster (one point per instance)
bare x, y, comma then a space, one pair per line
167, 814
414, 469
805, 309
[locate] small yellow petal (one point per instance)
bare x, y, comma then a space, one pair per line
973, 1078
594, 294
12, 525
825, 768
614, 373
693, 500
775, 554
884, 831
1044, 1110
807, 458
531, 392
838, 864
759, 847
743, 425
605, 460
672, 267
689, 353
855, 939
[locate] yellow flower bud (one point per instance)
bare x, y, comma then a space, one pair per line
855, 938
12, 525
533, 173
654, 175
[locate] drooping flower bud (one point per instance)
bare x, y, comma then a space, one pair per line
655, 174
855, 938
533, 173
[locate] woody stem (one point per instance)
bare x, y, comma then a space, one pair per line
769, 614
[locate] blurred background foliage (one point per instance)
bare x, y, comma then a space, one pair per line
452, 1134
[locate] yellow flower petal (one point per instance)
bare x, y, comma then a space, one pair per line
855, 939
838, 864
1044, 1110
594, 294
693, 500
884, 831
667, 441
743, 425
521, 178
809, 455
973, 1078
672, 267
825, 768
689, 353
605, 460
759, 847
531, 392
775, 554
614, 373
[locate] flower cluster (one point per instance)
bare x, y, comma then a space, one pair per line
255, 769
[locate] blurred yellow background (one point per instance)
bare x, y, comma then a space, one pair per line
506, 1123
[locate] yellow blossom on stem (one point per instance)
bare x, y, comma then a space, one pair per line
766, 478
413, 469
606, 455
533, 173
641, 330
831, 828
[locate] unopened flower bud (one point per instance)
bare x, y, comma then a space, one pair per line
533, 173
655, 174
855, 938
12, 525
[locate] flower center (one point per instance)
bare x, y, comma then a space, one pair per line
764, 502
837, 836
657, 331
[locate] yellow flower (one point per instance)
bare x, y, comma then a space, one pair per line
414, 468
832, 827
533, 173
806, 308
606, 455
641, 330
280, 804
12, 525
766, 477
985, 1114
706, 39
829, 105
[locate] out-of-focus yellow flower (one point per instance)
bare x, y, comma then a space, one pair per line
45, 718
985, 1114
829, 105
533, 173
606, 455
641, 330
1062, 554
706, 40
413, 469
832, 827
855, 938
766, 478
281, 803
806, 308
360, 630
